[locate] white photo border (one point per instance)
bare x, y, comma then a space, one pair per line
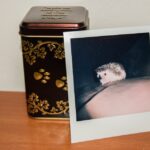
101, 127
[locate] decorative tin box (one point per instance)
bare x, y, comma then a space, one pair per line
44, 60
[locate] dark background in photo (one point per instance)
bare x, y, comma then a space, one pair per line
130, 50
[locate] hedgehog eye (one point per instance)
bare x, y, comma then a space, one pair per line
105, 74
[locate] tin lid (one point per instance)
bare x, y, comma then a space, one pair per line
43, 20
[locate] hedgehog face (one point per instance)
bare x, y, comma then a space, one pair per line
106, 77
109, 73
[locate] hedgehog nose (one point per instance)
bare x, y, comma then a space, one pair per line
99, 77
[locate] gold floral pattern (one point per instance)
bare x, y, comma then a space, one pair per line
39, 50
36, 105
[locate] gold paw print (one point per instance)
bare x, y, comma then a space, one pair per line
42, 75
62, 83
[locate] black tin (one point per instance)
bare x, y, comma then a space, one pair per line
44, 60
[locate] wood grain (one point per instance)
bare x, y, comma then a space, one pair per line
19, 132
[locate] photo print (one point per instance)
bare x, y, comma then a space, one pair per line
108, 73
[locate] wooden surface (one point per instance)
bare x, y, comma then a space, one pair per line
19, 132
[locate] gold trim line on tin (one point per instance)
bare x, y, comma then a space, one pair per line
49, 118
42, 36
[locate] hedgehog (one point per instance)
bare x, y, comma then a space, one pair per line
107, 74
110, 73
